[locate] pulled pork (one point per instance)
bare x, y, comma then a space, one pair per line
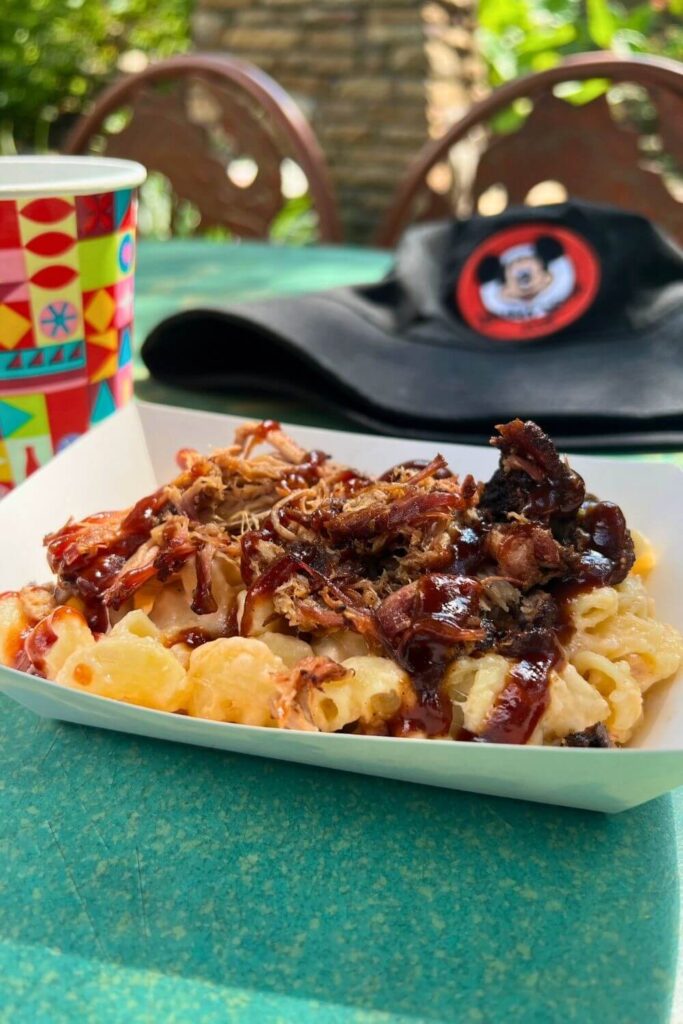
426, 566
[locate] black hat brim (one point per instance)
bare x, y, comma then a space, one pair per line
621, 389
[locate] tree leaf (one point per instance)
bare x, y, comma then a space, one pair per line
602, 23
548, 40
579, 93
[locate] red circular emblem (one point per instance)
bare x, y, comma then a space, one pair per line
527, 282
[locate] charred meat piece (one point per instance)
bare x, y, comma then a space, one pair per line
595, 736
532, 628
532, 480
604, 552
542, 528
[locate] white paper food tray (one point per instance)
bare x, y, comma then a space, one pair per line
131, 453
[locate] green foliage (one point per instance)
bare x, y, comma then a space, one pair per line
296, 223
520, 36
55, 54
161, 216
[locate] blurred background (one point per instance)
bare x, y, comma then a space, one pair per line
375, 79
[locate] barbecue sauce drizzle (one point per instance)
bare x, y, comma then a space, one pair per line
90, 576
445, 613
525, 696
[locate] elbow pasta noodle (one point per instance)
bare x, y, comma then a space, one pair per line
234, 680
13, 623
573, 705
291, 649
71, 634
138, 669
475, 683
372, 690
619, 648
341, 645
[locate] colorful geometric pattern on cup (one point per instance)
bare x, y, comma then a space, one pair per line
67, 268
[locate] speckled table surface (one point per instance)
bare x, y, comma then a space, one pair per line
144, 881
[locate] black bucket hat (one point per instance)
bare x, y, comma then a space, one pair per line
570, 314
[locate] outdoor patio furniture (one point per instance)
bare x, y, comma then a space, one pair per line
625, 152
219, 129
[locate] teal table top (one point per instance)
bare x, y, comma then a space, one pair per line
153, 882
187, 274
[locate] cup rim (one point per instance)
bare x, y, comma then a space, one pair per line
66, 175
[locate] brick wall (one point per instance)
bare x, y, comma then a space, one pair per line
376, 78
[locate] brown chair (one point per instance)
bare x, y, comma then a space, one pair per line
629, 161
191, 118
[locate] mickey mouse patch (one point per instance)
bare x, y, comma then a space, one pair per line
527, 281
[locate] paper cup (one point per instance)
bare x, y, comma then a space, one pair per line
67, 271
